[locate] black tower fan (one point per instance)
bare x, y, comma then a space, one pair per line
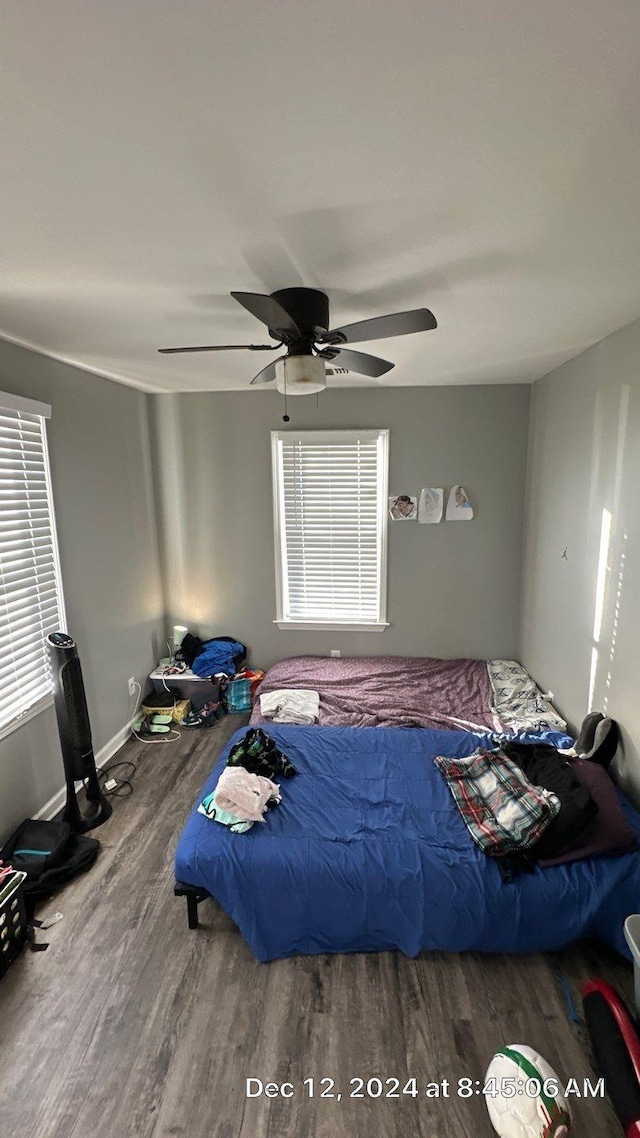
75, 735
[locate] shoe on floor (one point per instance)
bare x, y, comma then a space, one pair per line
209, 714
144, 728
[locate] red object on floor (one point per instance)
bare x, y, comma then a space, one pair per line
622, 1018
616, 1046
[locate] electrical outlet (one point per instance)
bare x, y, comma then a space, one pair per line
132, 685
335, 651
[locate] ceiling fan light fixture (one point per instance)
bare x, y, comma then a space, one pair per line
300, 375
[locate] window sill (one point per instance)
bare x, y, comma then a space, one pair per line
30, 713
331, 626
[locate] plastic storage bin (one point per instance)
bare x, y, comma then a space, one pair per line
187, 685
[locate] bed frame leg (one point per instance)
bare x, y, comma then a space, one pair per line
194, 896
192, 911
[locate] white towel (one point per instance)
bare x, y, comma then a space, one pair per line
290, 705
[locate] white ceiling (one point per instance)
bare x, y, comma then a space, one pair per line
480, 159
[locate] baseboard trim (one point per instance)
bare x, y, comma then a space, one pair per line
55, 804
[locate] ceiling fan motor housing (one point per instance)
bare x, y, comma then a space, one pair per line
308, 307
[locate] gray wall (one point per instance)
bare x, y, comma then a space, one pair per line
105, 508
585, 459
453, 588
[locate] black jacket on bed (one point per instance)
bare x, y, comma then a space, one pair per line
543, 766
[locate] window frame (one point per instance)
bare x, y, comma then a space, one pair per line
381, 436
43, 412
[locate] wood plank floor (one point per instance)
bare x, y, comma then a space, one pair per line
131, 1025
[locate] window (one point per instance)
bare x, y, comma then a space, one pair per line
330, 494
31, 603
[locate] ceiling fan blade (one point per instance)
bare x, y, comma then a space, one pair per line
268, 373
396, 324
222, 348
268, 310
361, 363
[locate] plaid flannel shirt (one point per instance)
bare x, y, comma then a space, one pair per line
503, 811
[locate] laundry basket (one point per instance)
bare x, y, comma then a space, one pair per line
13, 920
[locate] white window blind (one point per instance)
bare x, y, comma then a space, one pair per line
330, 490
30, 595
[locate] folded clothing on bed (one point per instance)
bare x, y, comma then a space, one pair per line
502, 810
290, 705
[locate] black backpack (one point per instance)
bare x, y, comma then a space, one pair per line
49, 854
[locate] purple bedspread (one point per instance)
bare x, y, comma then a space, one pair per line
390, 691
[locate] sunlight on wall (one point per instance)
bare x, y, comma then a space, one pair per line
595, 463
601, 584
603, 628
603, 559
175, 512
184, 508
616, 621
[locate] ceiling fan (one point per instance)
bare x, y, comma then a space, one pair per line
298, 319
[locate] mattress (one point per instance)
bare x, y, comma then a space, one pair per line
408, 691
367, 851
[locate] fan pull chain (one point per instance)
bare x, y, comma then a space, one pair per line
285, 417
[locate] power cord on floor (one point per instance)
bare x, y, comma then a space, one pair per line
123, 785
117, 791
106, 775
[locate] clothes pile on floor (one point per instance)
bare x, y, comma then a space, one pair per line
246, 789
526, 804
221, 661
207, 715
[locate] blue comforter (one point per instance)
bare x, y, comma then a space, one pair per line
367, 851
